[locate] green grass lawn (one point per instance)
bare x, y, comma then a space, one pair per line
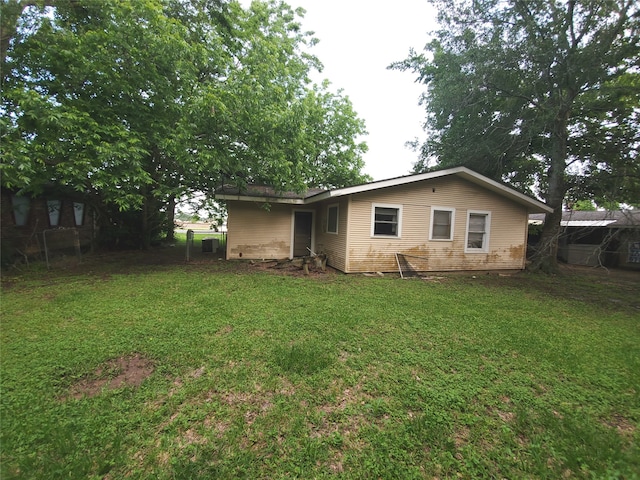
249, 374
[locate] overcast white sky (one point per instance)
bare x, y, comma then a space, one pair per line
358, 40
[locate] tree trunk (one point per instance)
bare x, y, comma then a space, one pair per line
171, 217
145, 227
546, 257
149, 225
11, 12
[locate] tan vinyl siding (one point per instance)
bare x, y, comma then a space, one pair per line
257, 233
334, 245
507, 245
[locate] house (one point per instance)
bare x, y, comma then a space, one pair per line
606, 238
454, 219
53, 221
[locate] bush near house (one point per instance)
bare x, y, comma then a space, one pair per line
222, 370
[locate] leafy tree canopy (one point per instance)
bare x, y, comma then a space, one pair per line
544, 94
137, 102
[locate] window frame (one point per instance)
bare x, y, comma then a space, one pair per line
452, 220
329, 207
487, 232
394, 206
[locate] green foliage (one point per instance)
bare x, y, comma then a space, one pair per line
264, 376
542, 94
583, 206
135, 103
333, 158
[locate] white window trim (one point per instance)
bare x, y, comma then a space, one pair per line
453, 222
373, 219
487, 228
337, 207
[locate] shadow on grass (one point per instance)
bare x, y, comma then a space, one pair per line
304, 358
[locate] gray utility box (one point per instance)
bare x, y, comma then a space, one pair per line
210, 245
583, 255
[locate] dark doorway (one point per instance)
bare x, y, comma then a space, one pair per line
302, 233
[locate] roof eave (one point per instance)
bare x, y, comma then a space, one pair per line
248, 198
532, 205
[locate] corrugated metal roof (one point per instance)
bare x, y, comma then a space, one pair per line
586, 223
599, 218
264, 193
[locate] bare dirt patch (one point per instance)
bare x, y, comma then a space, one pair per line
623, 426
289, 268
129, 371
461, 436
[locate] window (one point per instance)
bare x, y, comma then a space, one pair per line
54, 207
21, 207
386, 220
441, 223
634, 252
78, 213
332, 219
478, 231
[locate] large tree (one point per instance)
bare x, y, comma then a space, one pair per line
542, 93
137, 102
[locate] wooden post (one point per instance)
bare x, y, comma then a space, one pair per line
320, 261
